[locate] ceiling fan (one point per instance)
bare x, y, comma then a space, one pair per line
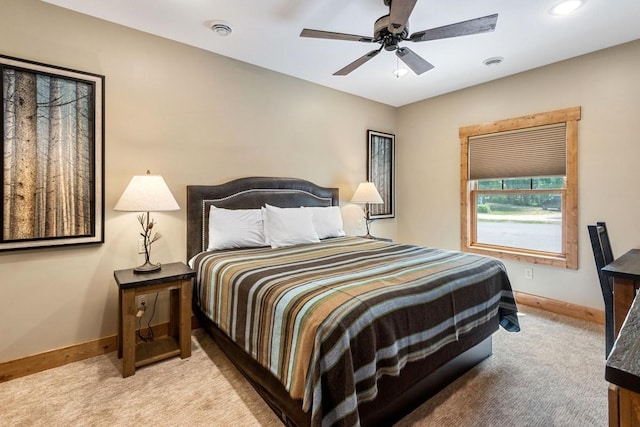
389, 30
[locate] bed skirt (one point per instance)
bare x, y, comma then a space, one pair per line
397, 395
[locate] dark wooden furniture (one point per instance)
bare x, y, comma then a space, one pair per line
176, 278
397, 396
381, 239
603, 256
625, 272
623, 372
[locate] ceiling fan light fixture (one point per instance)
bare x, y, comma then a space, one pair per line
566, 7
400, 72
221, 28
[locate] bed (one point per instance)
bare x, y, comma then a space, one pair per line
341, 330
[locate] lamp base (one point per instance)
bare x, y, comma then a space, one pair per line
147, 267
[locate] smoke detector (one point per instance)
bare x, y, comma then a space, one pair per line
221, 28
492, 62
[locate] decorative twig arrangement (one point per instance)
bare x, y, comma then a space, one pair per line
147, 225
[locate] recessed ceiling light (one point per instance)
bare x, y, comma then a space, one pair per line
221, 28
566, 7
492, 62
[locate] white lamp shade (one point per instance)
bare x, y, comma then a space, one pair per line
366, 193
147, 193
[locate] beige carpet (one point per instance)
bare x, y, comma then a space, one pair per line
550, 374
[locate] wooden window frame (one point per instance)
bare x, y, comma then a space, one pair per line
569, 256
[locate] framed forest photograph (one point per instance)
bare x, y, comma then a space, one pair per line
53, 156
381, 170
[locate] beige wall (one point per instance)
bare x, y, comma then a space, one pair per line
605, 84
193, 117
199, 118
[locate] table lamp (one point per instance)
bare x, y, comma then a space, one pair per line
367, 193
147, 193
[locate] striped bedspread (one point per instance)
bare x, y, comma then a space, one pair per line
328, 319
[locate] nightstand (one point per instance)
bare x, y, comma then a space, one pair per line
175, 278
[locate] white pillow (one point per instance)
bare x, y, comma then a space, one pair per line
288, 226
327, 221
235, 228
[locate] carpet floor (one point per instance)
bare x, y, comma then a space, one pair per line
549, 374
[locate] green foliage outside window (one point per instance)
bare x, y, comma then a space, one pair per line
545, 183
483, 208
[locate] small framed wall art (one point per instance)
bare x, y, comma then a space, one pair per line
381, 171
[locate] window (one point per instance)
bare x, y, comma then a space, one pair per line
519, 189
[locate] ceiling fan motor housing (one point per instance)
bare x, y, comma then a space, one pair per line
382, 34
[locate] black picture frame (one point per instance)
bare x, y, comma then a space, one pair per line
53, 156
381, 171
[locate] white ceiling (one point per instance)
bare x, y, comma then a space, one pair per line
266, 33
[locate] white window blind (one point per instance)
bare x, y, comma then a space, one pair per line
524, 153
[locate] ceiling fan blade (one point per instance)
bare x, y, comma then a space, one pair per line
399, 15
473, 26
414, 61
319, 34
355, 64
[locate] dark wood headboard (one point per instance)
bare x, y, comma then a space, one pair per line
248, 193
